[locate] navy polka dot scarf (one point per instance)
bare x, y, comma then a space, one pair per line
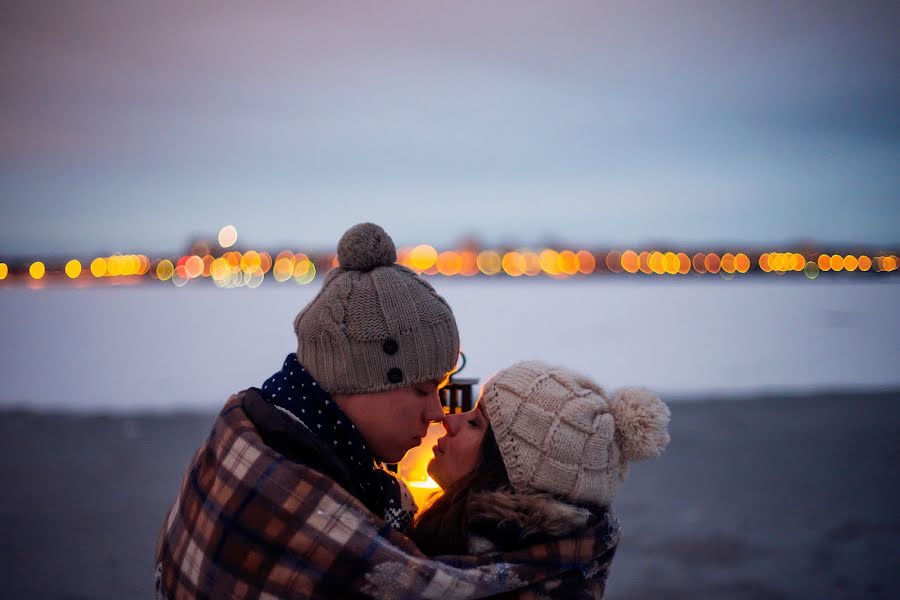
294, 390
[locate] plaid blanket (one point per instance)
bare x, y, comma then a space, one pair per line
250, 523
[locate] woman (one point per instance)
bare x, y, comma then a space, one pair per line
538, 461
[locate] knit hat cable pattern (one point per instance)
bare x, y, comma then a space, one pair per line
559, 432
375, 325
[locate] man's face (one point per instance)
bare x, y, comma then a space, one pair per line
395, 421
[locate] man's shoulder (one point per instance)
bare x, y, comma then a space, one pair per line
288, 436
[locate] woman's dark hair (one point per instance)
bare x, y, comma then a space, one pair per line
442, 527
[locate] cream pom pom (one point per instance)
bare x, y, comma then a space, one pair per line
364, 247
641, 419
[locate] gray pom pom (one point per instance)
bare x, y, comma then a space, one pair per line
364, 247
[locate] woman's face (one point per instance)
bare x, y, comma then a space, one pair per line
457, 453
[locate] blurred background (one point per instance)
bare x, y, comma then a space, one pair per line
699, 198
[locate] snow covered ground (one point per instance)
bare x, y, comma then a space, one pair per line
158, 348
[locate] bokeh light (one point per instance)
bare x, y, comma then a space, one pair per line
37, 270
73, 268
811, 270
488, 262
193, 267
532, 263
422, 257
549, 261
567, 262
614, 261
98, 267
727, 264
4, 271
712, 262
513, 264
449, 263
684, 263
644, 263
672, 263
741, 262
699, 262
824, 262
655, 262
586, 262
227, 236
864, 263
764, 263
630, 261
837, 262
304, 270
164, 270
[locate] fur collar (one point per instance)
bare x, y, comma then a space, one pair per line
531, 514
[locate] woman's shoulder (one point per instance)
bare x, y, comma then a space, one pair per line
503, 519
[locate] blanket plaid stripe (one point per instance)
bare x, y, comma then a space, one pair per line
247, 522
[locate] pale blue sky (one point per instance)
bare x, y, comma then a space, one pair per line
129, 126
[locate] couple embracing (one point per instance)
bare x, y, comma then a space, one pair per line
288, 498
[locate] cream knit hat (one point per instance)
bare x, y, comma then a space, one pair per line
558, 432
375, 325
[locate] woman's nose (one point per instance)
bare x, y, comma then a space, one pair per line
451, 424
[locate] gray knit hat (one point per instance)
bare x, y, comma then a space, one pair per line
375, 325
558, 432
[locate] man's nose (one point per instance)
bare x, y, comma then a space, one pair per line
435, 411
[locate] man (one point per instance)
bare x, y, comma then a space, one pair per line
286, 498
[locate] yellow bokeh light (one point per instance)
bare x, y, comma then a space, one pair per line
671, 263
864, 263
586, 262
824, 262
422, 257
37, 270
304, 271
449, 263
227, 236
114, 266
837, 262
742, 263
727, 263
165, 269
4, 271
251, 259
98, 267
656, 263
549, 261
798, 262
220, 270
73, 269
850, 263
630, 261
488, 262
567, 262
513, 264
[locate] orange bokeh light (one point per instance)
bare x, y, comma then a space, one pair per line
630, 261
